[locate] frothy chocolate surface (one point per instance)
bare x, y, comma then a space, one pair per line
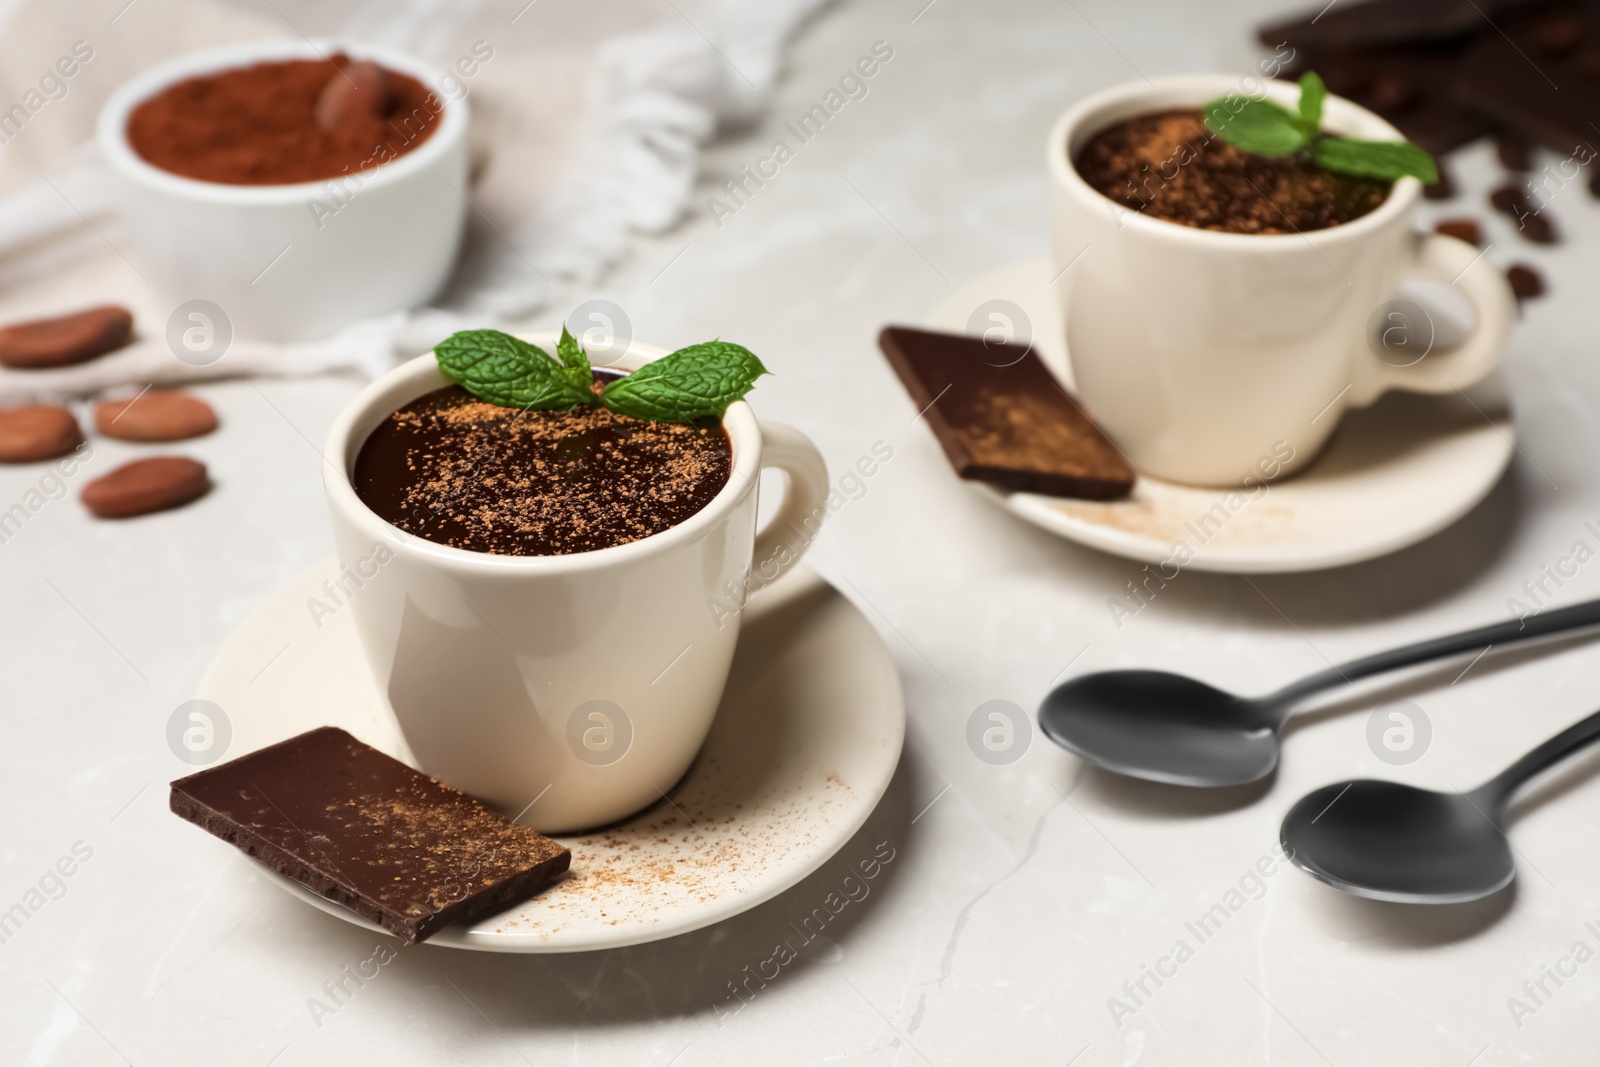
466, 473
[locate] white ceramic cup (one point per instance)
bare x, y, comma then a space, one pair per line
299, 261
1211, 357
573, 690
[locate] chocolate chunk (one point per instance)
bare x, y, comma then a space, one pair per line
1002, 418
146, 485
1525, 281
361, 828
1375, 22
1556, 34
1461, 229
65, 339
354, 96
1550, 99
1589, 61
37, 431
1411, 85
1348, 73
1515, 152
155, 415
1439, 125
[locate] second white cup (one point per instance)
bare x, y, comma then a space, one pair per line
1215, 357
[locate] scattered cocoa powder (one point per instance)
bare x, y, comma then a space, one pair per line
1169, 165
258, 125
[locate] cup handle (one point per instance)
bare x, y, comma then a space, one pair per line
790, 532
1433, 255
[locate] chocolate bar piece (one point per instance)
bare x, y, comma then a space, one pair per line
1002, 418
1449, 71
1541, 81
1371, 22
361, 828
1411, 85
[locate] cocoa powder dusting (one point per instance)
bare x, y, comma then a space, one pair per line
1013, 429
466, 473
438, 844
258, 125
1170, 166
720, 835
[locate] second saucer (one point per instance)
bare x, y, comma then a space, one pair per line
1392, 475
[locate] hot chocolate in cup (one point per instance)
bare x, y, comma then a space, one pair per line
570, 690
1215, 358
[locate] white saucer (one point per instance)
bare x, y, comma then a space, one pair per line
804, 745
1392, 475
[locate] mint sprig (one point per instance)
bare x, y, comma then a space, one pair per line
692, 383
575, 365
1264, 128
689, 385
1312, 93
508, 371
1374, 159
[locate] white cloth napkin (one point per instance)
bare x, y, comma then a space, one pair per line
588, 122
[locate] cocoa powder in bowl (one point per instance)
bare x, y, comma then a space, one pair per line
258, 125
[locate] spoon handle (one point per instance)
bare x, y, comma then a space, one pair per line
1574, 738
1502, 633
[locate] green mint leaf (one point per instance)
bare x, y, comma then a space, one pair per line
508, 371
1312, 94
1259, 127
692, 383
575, 365
572, 354
1374, 159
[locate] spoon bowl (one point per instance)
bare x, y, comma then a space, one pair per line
1163, 727
1388, 841
1166, 727
1394, 842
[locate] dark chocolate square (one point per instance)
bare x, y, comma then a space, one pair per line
1002, 417
361, 828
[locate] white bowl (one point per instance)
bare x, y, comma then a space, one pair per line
299, 261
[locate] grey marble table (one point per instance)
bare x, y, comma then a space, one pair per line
1027, 905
